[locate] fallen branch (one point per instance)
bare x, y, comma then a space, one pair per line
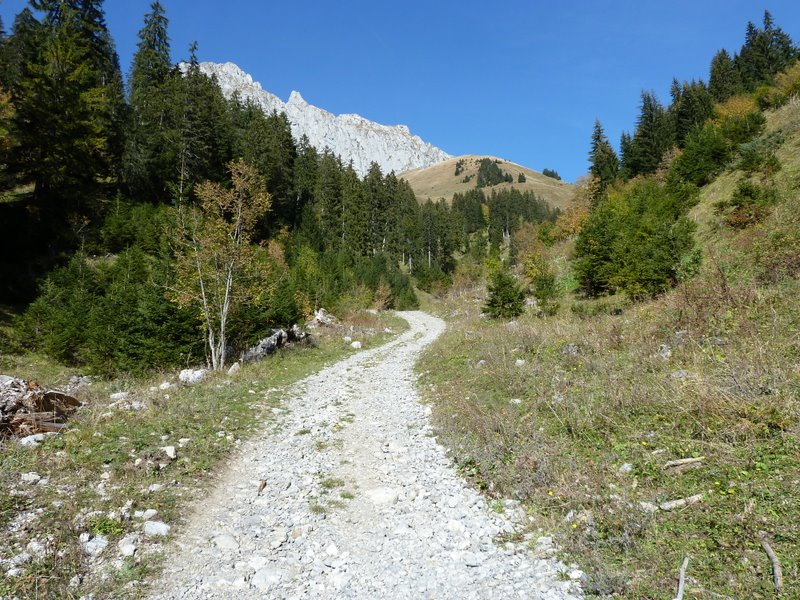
673, 504
683, 461
777, 573
682, 578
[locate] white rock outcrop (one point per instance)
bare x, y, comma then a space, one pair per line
352, 137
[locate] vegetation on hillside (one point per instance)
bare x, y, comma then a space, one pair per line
667, 369
132, 198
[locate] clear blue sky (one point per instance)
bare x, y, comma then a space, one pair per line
520, 80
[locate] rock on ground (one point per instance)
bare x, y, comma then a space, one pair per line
363, 504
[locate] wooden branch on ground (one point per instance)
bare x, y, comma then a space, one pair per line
682, 578
777, 572
683, 461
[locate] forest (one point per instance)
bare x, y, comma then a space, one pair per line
104, 212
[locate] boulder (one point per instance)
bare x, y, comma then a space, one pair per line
192, 376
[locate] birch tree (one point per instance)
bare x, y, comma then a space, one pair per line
217, 267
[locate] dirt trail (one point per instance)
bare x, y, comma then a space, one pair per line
360, 502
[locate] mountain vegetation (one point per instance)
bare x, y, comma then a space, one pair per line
645, 407
621, 355
132, 189
460, 175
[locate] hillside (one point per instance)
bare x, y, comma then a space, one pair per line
643, 432
440, 180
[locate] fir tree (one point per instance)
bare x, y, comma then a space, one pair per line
692, 105
328, 199
724, 80
149, 154
62, 119
506, 299
604, 162
625, 155
653, 137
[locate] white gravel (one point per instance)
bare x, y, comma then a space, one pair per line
412, 530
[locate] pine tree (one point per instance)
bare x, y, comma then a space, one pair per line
724, 78
654, 136
765, 52
306, 165
691, 106
625, 155
278, 167
355, 214
62, 120
376, 199
149, 154
603, 159
328, 199
506, 299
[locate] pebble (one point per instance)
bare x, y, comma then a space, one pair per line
31, 478
156, 529
226, 541
95, 546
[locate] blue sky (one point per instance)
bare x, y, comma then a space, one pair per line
520, 80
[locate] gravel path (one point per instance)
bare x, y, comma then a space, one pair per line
360, 502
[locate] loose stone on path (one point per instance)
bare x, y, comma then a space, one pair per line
365, 505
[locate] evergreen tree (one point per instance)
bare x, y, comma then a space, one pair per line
62, 120
355, 214
692, 105
653, 137
604, 162
150, 150
377, 201
724, 79
277, 166
506, 299
203, 134
625, 155
328, 199
305, 174
765, 52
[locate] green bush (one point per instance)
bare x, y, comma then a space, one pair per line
634, 242
748, 205
705, 153
739, 129
547, 290
758, 155
506, 299
111, 317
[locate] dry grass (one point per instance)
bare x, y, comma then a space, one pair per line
440, 181
710, 370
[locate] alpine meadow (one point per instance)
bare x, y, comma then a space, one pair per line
250, 348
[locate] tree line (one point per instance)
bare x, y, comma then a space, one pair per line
110, 175
638, 238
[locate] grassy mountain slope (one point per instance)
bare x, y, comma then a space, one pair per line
580, 414
440, 181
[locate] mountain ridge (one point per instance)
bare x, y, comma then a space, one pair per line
350, 136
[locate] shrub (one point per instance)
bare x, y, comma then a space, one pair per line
705, 153
111, 317
759, 155
634, 242
748, 205
786, 87
506, 299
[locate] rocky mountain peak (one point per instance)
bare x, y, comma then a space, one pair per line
351, 136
